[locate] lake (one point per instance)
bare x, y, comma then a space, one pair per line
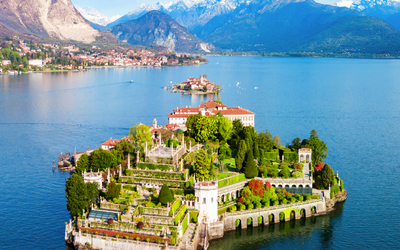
354, 104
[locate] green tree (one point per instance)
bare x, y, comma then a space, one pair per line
225, 129
313, 134
101, 160
141, 133
296, 144
82, 164
256, 152
206, 128
262, 160
113, 191
277, 141
125, 147
76, 193
250, 169
202, 165
319, 150
165, 195
92, 192
191, 124
238, 129
327, 176
241, 154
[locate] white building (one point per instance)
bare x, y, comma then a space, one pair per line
94, 178
36, 62
206, 201
180, 115
110, 144
5, 62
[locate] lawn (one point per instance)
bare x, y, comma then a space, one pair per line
223, 175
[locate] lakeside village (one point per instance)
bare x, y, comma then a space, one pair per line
22, 56
181, 185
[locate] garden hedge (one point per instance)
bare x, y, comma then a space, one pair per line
231, 180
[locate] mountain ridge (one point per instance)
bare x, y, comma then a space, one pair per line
157, 28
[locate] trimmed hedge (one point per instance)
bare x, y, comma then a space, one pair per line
231, 180
173, 183
185, 223
175, 206
155, 166
193, 216
155, 174
180, 214
291, 156
271, 156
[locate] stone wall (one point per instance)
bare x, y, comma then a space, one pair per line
339, 197
108, 243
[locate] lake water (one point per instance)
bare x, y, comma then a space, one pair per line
353, 104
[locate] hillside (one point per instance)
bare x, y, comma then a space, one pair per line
156, 28
303, 25
44, 19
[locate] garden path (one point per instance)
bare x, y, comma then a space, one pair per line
188, 234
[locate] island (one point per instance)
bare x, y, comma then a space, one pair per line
198, 86
178, 186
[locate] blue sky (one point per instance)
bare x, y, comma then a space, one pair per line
121, 7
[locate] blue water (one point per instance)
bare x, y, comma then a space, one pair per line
353, 104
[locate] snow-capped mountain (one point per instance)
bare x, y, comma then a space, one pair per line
92, 15
386, 10
362, 5
188, 13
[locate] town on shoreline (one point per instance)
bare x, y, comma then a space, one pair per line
18, 56
180, 185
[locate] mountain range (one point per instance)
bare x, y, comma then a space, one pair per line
157, 28
387, 10
44, 19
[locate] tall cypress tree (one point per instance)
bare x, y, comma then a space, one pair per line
250, 169
239, 159
165, 195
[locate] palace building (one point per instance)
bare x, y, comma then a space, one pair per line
211, 108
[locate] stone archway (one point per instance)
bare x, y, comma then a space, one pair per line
313, 210
308, 158
238, 223
292, 215
249, 222
260, 220
303, 213
281, 216
301, 158
271, 218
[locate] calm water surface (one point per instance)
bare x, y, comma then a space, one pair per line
353, 104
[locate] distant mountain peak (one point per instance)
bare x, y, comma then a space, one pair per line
94, 16
157, 28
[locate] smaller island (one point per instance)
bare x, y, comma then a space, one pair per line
198, 86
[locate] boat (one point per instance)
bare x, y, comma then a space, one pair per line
131, 81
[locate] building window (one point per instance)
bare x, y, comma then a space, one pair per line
212, 199
204, 200
198, 199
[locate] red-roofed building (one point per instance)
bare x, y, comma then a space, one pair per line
211, 108
110, 144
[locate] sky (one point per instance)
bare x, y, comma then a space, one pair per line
121, 7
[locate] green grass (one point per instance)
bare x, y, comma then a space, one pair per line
223, 175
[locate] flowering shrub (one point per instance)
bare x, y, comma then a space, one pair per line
320, 166
267, 186
257, 188
241, 200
